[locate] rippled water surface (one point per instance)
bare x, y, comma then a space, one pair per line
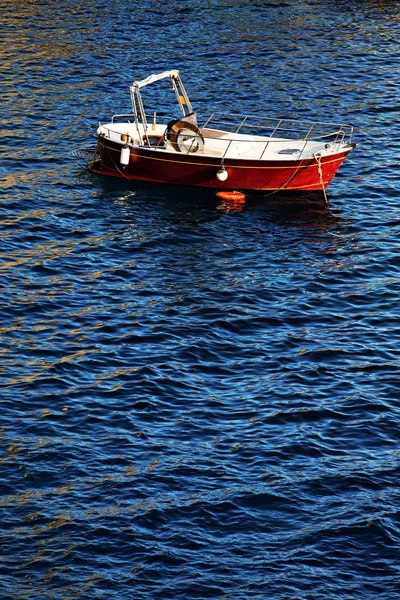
198, 400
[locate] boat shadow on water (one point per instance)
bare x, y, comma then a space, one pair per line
191, 205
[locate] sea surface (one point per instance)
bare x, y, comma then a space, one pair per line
198, 399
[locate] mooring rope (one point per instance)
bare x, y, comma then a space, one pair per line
95, 154
318, 159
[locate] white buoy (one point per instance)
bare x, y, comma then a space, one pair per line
222, 174
124, 157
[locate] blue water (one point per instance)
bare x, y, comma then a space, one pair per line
198, 400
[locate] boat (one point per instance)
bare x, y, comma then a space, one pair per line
226, 152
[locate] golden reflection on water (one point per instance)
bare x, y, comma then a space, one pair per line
49, 250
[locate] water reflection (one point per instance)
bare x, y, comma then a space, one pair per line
139, 202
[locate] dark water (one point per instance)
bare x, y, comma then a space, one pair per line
198, 400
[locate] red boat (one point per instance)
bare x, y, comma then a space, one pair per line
226, 153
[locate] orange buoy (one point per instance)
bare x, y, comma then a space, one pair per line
236, 197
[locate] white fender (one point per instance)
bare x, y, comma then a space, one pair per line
125, 155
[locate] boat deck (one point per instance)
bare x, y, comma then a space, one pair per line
222, 144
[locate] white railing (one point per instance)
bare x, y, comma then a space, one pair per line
232, 136
283, 128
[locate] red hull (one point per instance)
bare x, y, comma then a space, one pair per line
158, 166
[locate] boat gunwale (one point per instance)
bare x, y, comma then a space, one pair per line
171, 155
158, 154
